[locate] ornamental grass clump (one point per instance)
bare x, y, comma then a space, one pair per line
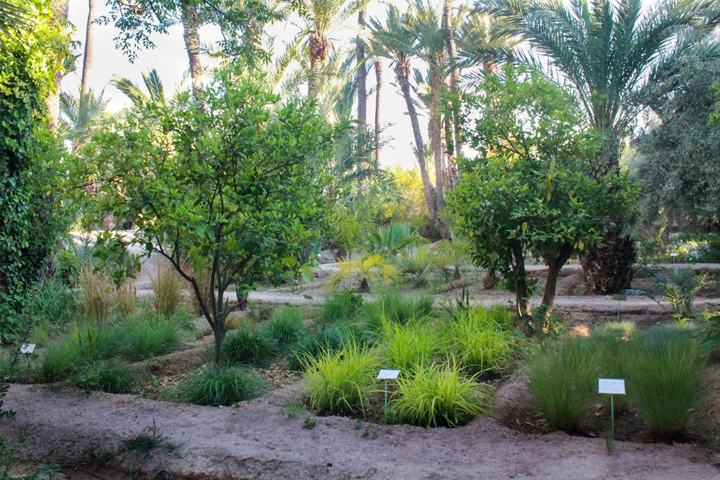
438, 396
343, 306
408, 347
330, 339
563, 379
220, 386
111, 376
480, 339
148, 336
663, 377
396, 308
167, 287
285, 327
341, 382
247, 345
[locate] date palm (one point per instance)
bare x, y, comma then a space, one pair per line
153, 85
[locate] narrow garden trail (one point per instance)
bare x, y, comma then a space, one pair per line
259, 440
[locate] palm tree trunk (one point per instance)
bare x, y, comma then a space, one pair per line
435, 134
191, 36
378, 98
61, 9
88, 55
361, 72
318, 53
402, 72
454, 138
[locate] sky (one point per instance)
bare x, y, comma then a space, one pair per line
170, 60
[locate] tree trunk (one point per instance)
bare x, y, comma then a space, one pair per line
318, 53
435, 134
191, 36
402, 73
219, 333
555, 264
361, 72
608, 268
61, 9
454, 147
89, 50
378, 98
522, 300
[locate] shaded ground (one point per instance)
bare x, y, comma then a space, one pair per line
259, 440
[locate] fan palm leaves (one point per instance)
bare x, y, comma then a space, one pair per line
155, 91
604, 49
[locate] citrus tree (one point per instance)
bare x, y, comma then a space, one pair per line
230, 192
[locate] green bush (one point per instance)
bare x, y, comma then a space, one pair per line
341, 382
343, 306
438, 396
246, 345
59, 360
329, 339
111, 376
410, 346
563, 378
478, 341
396, 308
285, 326
663, 375
220, 387
148, 336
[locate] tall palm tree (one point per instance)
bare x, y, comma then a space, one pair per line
191, 37
361, 71
61, 10
378, 67
154, 86
322, 17
89, 50
604, 50
392, 41
449, 32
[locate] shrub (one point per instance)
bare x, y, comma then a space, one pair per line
148, 336
111, 376
478, 341
246, 345
393, 238
435, 396
562, 378
410, 346
285, 326
96, 294
341, 382
394, 307
663, 374
167, 288
223, 386
343, 306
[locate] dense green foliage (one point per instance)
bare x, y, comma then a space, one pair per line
220, 386
30, 218
531, 189
247, 345
232, 187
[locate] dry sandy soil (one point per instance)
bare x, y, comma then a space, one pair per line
259, 440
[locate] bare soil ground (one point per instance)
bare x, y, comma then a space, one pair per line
259, 440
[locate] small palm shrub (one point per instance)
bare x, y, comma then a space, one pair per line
410, 346
480, 339
341, 382
96, 297
372, 269
663, 373
563, 379
438, 396
343, 306
246, 345
399, 309
167, 289
220, 387
393, 238
285, 326
418, 263
111, 376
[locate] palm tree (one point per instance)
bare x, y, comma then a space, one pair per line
191, 37
322, 17
361, 71
154, 86
89, 47
12, 17
79, 115
391, 40
378, 66
604, 51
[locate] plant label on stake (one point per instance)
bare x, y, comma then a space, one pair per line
612, 387
619, 298
387, 376
27, 348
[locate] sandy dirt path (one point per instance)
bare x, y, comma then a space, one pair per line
257, 440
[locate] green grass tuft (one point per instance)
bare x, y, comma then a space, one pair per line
410, 346
246, 345
340, 307
111, 376
215, 387
285, 327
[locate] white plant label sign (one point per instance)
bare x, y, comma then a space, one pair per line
611, 386
27, 348
388, 375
